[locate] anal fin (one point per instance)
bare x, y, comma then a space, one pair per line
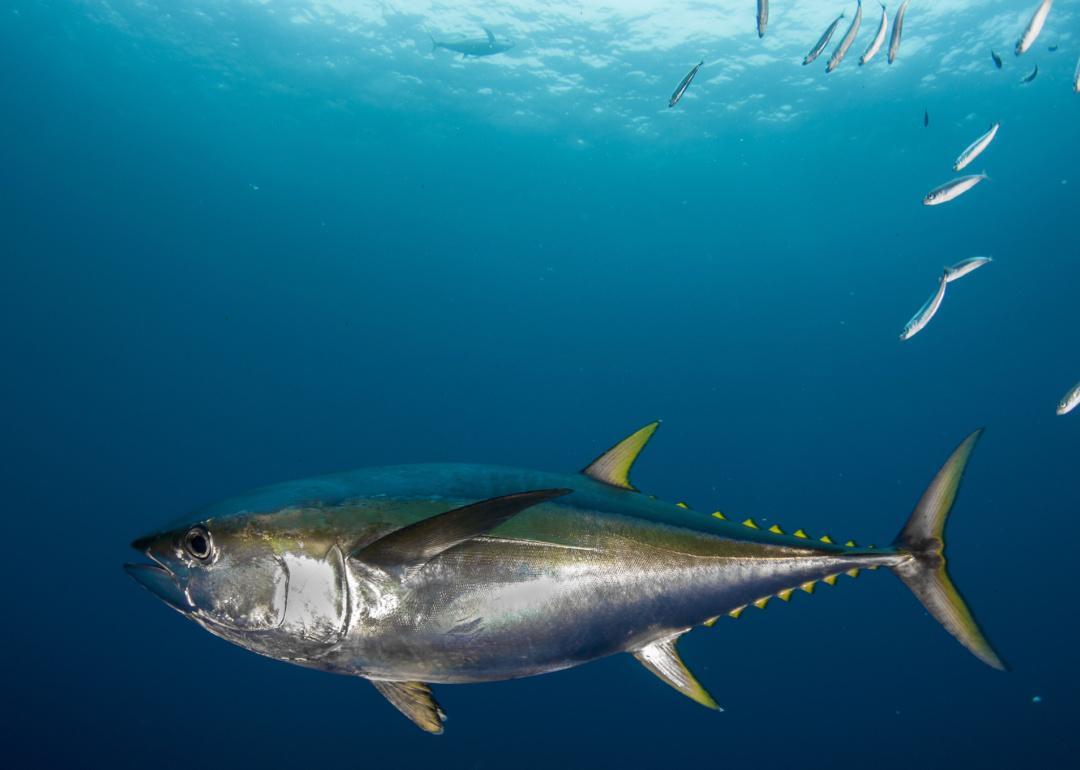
663, 659
414, 700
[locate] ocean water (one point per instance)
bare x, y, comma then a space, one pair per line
245, 242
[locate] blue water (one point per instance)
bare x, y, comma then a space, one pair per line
227, 263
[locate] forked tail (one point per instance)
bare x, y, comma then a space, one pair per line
922, 538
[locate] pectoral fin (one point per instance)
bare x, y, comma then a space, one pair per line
414, 700
613, 466
418, 543
662, 659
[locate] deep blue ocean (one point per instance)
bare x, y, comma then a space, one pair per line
247, 242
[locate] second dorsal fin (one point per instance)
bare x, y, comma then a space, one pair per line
613, 466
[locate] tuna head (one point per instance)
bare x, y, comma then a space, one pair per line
252, 581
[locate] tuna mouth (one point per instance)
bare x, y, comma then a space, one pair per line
158, 580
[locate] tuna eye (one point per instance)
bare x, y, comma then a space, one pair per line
198, 543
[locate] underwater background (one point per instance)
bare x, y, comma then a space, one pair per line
253, 241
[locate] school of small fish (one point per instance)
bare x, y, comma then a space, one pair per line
952, 189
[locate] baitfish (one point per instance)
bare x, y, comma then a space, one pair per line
926, 118
484, 46
996, 58
823, 41
879, 38
684, 84
919, 321
1069, 400
974, 150
897, 32
846, 40
1076, 78
952, 189
1034, 74
417, 574
962, 268
1034, 27
762, 17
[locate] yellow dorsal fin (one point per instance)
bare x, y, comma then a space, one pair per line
800, 533
663, 659
785, 595
850, 544
826, 539
718, 515
808, 586
775, 529
682, 505
737, 611
613, 466
853, 572
830, 579
750, 523
760, 603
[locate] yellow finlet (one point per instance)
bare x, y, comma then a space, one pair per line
800, 533
737, 611
808, 586
750, 523
850, 544
718, 515
775, 529
785, 595
826, 539
682, 505
711, 622
613, 466
831, 579
760, 603
853, 572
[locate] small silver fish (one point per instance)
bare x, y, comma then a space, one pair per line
897, 32
762, 16
1034, 27
1076, 78
846, 41
879, 38
962, 268
823, 41
996, 58
684, 84
974, 150
1069, 400
952, 189
919, 321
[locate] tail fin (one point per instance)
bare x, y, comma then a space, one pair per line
924, 573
